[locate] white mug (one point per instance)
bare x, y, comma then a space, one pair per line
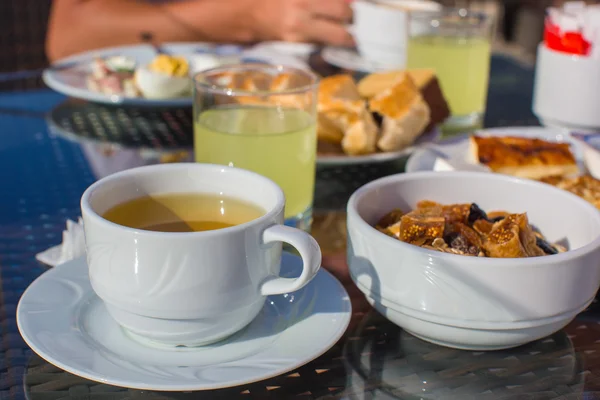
380, 28
190, 288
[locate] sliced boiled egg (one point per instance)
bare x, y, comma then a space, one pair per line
170, 65
165, 77
155, 85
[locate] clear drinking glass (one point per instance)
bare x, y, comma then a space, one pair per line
456, 43
261, 118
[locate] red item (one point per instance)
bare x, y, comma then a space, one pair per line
566, 42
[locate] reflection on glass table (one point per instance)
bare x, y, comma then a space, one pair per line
379, 361
106, 159
389, 363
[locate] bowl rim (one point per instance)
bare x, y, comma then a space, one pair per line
352, 213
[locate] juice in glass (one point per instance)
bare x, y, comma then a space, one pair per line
456, 43
279, 143
462, 65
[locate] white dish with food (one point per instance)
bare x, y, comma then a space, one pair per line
135, 82
470, 302
457, 149
324, 159
74, 76
382, 117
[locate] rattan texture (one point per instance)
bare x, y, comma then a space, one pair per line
130, 127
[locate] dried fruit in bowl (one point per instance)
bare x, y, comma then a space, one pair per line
466, 229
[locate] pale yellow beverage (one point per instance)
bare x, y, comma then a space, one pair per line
276, 142
462, 65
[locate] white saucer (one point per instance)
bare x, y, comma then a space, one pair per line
349, 59
64, 322
68, 76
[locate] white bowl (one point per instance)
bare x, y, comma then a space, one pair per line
567, 90
470, 302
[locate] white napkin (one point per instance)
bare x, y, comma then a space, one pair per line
72, 246
444, 164
570, 17
591, 28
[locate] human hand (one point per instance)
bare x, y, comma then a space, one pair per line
320, 21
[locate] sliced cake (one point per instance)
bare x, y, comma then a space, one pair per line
523, 157
404, 111
343, 116
425, 80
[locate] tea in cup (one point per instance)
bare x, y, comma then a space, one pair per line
185, 254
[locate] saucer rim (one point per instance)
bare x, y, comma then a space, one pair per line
343, 324
329, 54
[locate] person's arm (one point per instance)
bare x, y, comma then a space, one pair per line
79, 25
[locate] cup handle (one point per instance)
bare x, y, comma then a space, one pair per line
309, 250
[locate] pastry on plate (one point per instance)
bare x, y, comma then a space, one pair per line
285, 82
424, 79
404, 112
329, 130
339, 93
585, 186
430, 89
343, 116
523, 157
253, 82
377, 82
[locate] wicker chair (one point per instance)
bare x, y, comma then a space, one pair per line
23, 25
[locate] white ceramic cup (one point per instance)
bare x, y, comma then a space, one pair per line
196, 288
380, 28
567, 90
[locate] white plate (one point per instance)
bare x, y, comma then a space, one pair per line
299, 50
72, 81
333, 160
456, 148
349, 59
65, 323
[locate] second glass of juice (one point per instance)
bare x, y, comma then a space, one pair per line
456, 43
261, 118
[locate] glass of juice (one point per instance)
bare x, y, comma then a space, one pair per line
456, 43
261, 118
